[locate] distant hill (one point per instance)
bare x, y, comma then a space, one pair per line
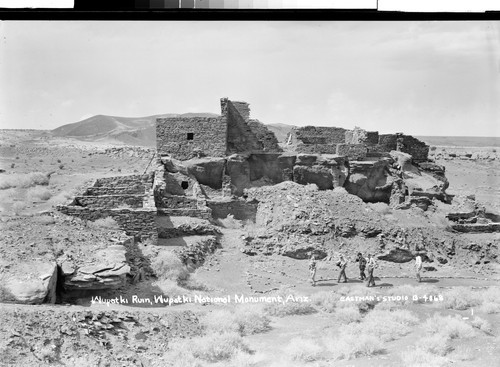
128, 130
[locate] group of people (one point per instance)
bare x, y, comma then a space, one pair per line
364, 263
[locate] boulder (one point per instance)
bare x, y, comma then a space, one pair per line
397, 255
109, 270
30, 283
371, 181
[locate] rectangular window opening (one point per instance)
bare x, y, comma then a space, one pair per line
190, 136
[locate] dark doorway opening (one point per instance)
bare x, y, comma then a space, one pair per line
184, 185
190, 136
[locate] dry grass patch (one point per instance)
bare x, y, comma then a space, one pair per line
301, 349
437, 344
461, 298
23, 180
417, 357
292, 304
325, 301
167, 265
208, 348
38, 194
352, 345
245, 320
450, 327
347, 315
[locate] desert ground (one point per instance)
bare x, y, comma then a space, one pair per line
451, 318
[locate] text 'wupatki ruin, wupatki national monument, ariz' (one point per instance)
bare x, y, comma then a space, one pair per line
204, 165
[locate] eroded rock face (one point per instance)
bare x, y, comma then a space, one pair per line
398, 255
371, 181
109, 271
31, 283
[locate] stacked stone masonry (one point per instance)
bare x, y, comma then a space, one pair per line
109, 201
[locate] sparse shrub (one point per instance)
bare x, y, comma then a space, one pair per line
325, 301
17, 157
23, 180
58, 161
352, 345
490, 307
417, 357
61, 166
388, 325
481, 324
230, 222
38, 193
167, 265
303, 350
450, 327
462, 354
60, 198
461, 298
437, 344
170, 287
347, 315
209, 348
245, 320
291, 305
41, 160
18, 206
12, 165
106, 222
119, 169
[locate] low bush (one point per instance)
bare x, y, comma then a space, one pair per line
353, 345
325, 301
292, 305
38, 194
208, 348
417, 357
450, 327
167, 265
481, 324
490, 307
245, 320
347, 315
24, 180
437, 344
461, 298
18, 207
388, 325
303, 350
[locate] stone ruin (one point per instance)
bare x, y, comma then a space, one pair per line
204, 165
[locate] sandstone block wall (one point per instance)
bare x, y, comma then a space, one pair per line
265, 136
140, 223
240, 137
176, 202
173, 137
418, 149
119, 190
204, 213
109, 201
120, 181
355, 152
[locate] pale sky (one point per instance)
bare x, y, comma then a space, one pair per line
421, 78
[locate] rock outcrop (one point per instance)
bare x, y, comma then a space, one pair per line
108, 271
30, 283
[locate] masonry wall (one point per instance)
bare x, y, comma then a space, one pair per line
354, 152
418, 149
109, 201
265, 136
318, 139
208, 139
240, 137
130, 180
140, 223
118, 190
176, 202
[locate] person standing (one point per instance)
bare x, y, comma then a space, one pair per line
362, 265
418, 267
371, 265
312, 269
342, 263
